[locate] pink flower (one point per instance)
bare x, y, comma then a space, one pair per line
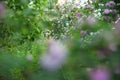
107, 4
100, 73
110, 4
78, 14
106, 11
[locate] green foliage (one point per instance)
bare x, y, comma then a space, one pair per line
27, 25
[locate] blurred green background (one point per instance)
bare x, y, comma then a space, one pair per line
90, 35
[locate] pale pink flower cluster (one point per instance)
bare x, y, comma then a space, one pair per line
91, 20
110, 10
55, 56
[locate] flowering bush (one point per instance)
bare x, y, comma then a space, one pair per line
59, 40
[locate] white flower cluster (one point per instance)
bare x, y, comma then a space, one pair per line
75, 2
